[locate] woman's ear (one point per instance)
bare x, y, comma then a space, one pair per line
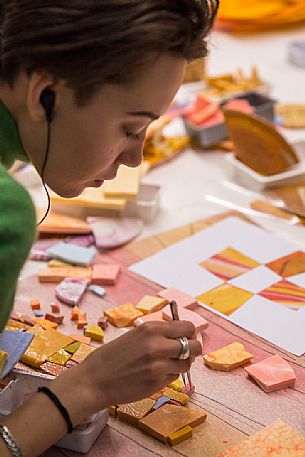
37, 84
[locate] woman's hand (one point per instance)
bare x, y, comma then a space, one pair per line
139, 363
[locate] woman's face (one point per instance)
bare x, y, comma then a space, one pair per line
88, 144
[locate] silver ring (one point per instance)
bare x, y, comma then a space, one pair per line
185, 348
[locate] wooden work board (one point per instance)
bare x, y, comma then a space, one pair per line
236, 406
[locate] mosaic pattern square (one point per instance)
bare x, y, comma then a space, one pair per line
225, 299
229, 264
287, 294
289, 265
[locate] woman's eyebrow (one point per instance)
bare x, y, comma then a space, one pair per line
144, 114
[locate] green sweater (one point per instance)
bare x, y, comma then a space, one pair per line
17, 215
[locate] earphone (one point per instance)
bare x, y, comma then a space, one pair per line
47, 100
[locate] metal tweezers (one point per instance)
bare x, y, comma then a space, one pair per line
175, 316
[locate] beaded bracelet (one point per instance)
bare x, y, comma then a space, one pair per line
10, 442
59, 406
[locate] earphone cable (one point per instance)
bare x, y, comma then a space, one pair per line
43, 170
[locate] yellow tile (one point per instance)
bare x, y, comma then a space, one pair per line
150, 304
95, 333
125, 185
3, 359
181, 435
177, 385
44, 344
72, 348
226, 298
44, 323
60, 358
174, 395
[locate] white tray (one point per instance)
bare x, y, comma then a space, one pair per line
246, 177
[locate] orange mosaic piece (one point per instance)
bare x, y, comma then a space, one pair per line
181, 298
35, 304
122, 316
75, 313
82, 320
133, 412
80, 338
289, 265
168, 419
228, 357
58, 274
287, 294
272, 374
82, 353
276, 440
225, 298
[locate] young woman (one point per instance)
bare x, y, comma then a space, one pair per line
89, 76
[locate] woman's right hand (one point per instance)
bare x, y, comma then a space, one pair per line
138, 364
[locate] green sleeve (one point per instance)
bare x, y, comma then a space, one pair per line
17, 233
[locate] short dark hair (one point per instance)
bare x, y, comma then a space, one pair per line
94, 42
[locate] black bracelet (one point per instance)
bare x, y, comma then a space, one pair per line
59, 405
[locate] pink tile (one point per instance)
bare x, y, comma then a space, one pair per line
187, 315
179, 297
148, 318
104, 274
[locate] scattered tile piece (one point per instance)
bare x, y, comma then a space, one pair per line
278, 439
95, 333
125, 185
63, 225
26, 320
3, 359
272, 374
103, 322
60, 357
122, 316
228, 357
71, 291
58, 274
75, 313
183, 399
81, 338
44, 323
82, 353
112, 411
187, 315
44, 344
169, 419
57, 318
72, 348
52, 369
35, 304
225, 298
105, 274
289, 265
82, 321
82, 240
55, 308
15, 344
181, 435
133, 412
16, 325
38, 313
113, 232
228, 264
149, 304
72, 253
148, 318
71, 364
97, 290
161, 402
182, 299
177, 385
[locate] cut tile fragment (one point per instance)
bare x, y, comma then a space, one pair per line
105, 274
122, 316
182, 299
71, 290
71, 253
133, 412
82, 353
181, 398
58, 274
95, 333
181, 435
227, 358
169, 419
272, 374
